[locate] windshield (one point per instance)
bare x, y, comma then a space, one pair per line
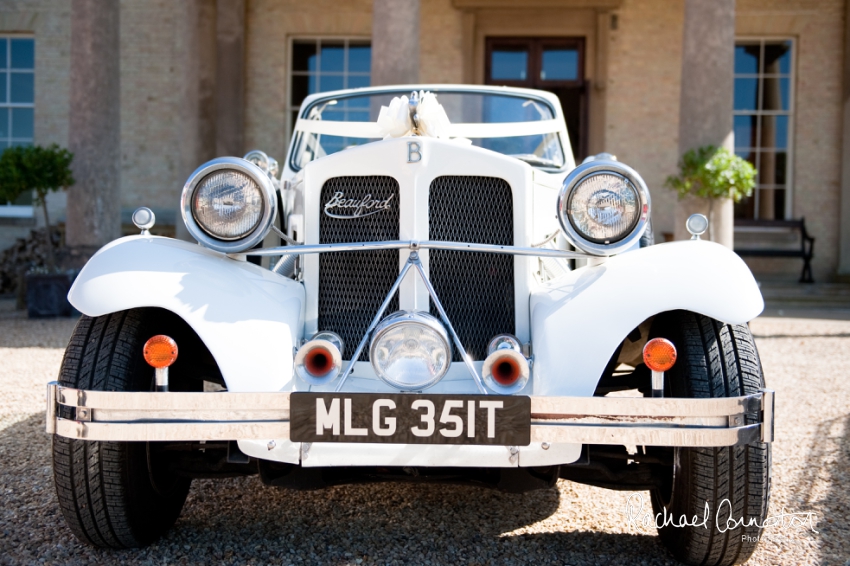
538, 144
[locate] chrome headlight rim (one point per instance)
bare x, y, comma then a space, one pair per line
267, 216
583, 172
420, 317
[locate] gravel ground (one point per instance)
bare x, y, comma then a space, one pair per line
240, 521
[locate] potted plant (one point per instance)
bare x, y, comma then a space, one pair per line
711, 174
42, 170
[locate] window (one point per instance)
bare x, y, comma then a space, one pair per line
763, 122
321, 65
17, 101
553, 64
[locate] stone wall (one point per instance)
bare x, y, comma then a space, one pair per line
642, 118
271, 25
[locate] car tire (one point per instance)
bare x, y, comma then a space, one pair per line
714, 360
114, 494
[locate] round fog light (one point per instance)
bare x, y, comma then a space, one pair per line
410, 350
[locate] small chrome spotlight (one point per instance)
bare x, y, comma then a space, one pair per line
318, 362
410, 350
505, 369
144, 219
696, 224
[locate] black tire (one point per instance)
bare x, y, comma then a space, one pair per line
714, 360
114, 494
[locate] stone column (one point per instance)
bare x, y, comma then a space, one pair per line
230, 78
197, 43
395, 42
94, 202
705, 111
844, 219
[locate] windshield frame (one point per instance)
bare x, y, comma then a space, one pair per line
316, 100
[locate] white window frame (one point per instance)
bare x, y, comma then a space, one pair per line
791, 113
16, 210
290, 72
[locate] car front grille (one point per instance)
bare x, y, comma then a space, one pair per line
476, 289
352, 285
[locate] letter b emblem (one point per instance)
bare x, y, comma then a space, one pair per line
414, 152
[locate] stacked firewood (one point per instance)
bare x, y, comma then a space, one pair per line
26, 254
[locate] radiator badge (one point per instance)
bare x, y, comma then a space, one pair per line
355, 207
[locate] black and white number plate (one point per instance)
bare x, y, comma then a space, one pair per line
410, 419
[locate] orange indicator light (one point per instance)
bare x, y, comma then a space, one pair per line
659, 354
160, 351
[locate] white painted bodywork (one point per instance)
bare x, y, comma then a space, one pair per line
251, 318
248, 317
578, 321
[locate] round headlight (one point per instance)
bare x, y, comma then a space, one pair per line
410, 350
229, 204
603, 207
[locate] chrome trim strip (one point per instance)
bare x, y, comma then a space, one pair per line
417, 245
152, 416
767, 402
647, 435
50, 425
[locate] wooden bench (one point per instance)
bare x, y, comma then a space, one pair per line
807, 243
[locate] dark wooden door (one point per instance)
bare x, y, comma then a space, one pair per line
545, 63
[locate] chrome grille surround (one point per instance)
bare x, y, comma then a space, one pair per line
476, 288
352, 285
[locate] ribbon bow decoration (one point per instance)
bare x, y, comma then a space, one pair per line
419, 115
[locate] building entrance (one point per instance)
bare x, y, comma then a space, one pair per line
553, 64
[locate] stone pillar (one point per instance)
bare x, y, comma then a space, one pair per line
705, 111
395, 42
197, 39
230, 77
844, 219
94, 202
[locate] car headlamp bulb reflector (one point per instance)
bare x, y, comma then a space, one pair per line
228, 204
410, 350
604, 207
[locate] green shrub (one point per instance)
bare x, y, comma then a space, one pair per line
39, 169
711, 172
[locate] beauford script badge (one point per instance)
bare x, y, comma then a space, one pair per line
349, 208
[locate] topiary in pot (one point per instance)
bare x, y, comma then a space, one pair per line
42, 170
713, 173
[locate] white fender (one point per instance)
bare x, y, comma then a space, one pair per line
578, 320
248, 317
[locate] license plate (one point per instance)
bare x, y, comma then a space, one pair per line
410, 419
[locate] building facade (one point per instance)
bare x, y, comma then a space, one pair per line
203, 78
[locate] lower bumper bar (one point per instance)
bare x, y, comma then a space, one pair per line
174, 416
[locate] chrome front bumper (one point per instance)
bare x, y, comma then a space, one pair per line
631, 421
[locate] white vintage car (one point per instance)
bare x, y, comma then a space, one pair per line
431, 291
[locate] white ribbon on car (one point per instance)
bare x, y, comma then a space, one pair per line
420, 114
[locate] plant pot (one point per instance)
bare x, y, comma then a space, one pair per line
47, 295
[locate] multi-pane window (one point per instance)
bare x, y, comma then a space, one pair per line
764, 108
17, 100
322, 65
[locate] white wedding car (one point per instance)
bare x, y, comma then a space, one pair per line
430, 290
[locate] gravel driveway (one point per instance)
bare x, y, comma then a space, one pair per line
240, 521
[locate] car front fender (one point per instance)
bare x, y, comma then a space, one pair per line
578, 320
248, 317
